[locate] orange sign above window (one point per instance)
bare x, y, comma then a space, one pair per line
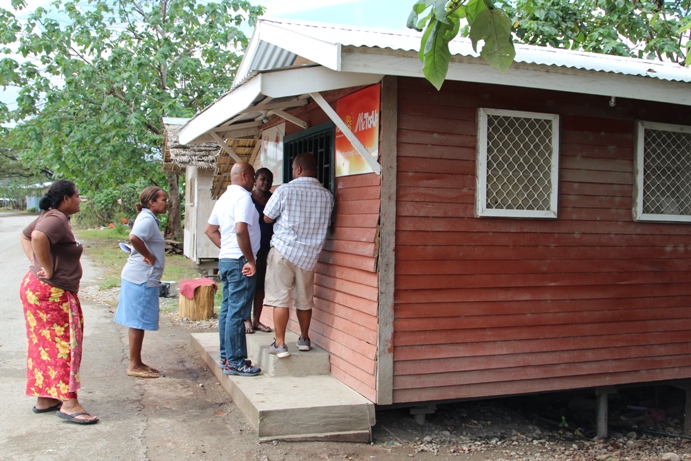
360, 112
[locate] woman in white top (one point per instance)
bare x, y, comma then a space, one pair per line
141, 277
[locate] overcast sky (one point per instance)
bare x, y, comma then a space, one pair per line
390, 14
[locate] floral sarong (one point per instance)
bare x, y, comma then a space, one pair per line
54, 330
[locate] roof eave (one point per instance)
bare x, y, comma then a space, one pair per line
288, 83
526, 75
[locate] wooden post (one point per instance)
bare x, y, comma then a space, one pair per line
199, 308
602, 410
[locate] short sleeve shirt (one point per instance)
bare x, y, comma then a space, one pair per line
235, 205
302, 210
146, 228
64, 249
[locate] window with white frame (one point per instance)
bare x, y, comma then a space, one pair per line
663, 172
518, 164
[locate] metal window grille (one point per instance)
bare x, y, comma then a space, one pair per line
667, 173
518, 177
319, 141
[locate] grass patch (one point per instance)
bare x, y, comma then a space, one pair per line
101, 245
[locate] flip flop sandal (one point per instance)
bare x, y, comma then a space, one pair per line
263, 329
72, 418
47, 410
142, 374
152, 369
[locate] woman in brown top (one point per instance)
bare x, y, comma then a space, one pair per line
54, 321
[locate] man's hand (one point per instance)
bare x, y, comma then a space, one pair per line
249, 269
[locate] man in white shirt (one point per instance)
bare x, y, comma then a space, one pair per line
234, 227
302, 212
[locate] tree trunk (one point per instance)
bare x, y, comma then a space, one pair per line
174, 229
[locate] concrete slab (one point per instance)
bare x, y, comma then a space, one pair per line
314, 362
317, 407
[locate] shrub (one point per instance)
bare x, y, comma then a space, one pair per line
109, 205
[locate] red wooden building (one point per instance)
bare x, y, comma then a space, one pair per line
518, 233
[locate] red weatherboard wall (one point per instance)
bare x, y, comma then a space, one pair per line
346, 281
347, 285
491, 306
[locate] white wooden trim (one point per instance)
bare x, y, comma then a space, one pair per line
312, 79
238, 126
639, 159
279, 84
637, 208
481, 209
665, 127
362, 150
524, 75
325, 53
481, 164
255, 151
291, 118
281, 105
222, 110
225, 146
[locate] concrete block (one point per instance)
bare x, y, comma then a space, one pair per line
316, 407
314, 362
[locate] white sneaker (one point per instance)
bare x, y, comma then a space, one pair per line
304, 344
280, 352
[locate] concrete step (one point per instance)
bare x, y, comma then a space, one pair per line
282, 407
314, 362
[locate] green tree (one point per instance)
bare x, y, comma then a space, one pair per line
656, 29
11, 166
97, 76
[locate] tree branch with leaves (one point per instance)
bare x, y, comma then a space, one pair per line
96, 77
650, 29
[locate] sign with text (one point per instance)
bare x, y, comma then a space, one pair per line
360, 112
272, 151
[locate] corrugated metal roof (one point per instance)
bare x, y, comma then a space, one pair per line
271, 57
401, 40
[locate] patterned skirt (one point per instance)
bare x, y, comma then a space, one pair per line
54, 330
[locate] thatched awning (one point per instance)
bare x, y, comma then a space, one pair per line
246, 149
181, 155
208, 155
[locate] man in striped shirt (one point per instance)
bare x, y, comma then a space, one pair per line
301, 210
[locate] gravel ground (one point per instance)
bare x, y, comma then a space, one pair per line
646, 423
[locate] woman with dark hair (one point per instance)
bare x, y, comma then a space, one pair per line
54, 320
141, 278
263, 180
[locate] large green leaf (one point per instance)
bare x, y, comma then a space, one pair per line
494, 28
437, 55
473, 9
438, 12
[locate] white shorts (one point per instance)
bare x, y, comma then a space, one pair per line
283, 276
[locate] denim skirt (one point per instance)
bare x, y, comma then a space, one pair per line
138, 306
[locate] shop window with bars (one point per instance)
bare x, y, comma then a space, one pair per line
319, 141
518, 164
663, 172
